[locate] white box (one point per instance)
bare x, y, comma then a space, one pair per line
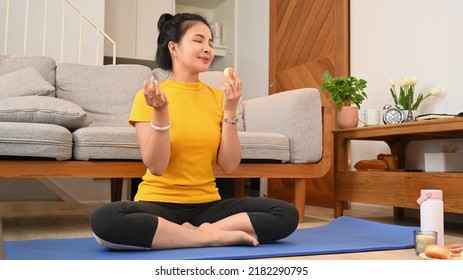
443, 162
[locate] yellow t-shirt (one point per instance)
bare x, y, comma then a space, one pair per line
195, 112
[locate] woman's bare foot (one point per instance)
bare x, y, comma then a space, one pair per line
170, 235
215, 236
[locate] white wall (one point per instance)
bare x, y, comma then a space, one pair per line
93, 9
245, 29
397, 38
225, 14
252, 59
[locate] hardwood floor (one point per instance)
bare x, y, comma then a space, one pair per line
75, 223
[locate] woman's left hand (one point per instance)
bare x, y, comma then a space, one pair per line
154, 97
231, 87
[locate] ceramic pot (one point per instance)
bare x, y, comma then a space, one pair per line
347, 117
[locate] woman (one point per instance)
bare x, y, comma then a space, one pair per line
184, 129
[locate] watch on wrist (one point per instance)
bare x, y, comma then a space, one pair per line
233, 120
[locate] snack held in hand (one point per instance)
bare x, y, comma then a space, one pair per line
228, 72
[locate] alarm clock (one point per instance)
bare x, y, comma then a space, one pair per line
392, 114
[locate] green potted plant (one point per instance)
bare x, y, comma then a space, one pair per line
345, 91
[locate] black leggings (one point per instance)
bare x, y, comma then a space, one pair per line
134, 224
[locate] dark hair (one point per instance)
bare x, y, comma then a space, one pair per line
172, 29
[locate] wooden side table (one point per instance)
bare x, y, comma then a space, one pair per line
397, 188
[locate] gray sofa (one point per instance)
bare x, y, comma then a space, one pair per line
70, 121
80, 112
69, 111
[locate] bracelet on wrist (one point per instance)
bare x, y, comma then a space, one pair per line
160, 128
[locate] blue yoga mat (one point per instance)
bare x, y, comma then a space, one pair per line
343, 235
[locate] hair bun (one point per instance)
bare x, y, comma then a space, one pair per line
163, 19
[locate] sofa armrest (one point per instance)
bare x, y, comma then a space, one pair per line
297, 114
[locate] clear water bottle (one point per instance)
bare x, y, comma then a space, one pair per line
432, 213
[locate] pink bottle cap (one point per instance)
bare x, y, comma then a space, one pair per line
427, 194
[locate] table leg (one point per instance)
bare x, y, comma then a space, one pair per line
398, 211
398, 147
341, 163
339, 208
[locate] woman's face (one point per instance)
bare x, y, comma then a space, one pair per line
194, 51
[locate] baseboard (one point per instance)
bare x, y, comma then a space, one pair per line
46, 208
408, 212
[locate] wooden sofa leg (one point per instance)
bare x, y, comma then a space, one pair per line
116, 189
299, 197
238, 186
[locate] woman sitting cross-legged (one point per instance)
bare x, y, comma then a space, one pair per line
184, 129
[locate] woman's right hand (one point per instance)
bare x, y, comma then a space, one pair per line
155, 142
153, 95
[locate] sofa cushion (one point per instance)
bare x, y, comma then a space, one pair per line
295, 114
43, 109
24, 82
46, 66
264, 146
106, 93
92, 143
35, 140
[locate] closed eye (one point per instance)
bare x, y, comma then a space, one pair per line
199, 38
